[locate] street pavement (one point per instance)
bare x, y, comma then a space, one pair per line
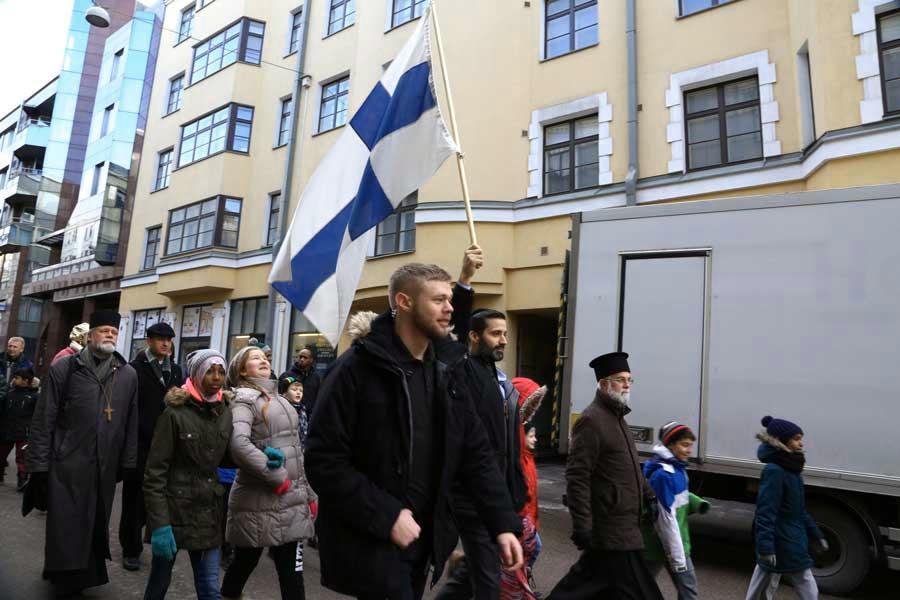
723, 556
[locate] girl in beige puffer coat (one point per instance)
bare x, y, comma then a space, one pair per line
269, 502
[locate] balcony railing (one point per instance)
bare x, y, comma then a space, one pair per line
39, 121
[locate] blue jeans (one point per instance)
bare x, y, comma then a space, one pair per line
206, 575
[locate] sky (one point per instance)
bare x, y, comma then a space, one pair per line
32, 42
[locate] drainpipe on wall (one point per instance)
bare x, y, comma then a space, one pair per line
632, 176
284, 201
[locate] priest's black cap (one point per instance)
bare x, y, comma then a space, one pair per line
608, 364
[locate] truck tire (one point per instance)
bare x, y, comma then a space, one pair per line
844, 567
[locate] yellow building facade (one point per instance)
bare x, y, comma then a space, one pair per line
739, 97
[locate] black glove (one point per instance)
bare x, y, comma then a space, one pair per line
651, 512
768, 560
130, 475
582, 539
37, 486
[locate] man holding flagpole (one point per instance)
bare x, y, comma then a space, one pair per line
392, 429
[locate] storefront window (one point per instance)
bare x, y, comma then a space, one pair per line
143, 320
196, 329
304, 335
248, 320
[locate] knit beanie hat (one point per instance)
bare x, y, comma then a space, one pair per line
286, 382
780, 429
200, 361
673, 431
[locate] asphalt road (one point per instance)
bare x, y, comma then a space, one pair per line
723, 556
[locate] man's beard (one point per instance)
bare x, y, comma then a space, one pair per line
427, 326
494, 354
620, 398
104, 347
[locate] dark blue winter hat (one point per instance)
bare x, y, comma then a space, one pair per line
780, 429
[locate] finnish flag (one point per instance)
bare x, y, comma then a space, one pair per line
394, 144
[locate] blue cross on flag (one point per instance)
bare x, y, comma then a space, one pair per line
394, 144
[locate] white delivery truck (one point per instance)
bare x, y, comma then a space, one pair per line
784, 305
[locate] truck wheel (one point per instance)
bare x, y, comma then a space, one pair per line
844, 567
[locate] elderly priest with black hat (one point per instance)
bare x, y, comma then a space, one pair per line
83, 436
157, 373
607, 495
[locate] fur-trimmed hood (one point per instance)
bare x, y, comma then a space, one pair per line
360, 324
178, 396
777, 444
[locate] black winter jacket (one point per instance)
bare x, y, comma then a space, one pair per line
16, 412
151, 401
499, 414
359, 455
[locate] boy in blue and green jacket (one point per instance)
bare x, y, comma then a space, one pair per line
668, 542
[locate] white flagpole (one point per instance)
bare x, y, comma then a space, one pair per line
453, 128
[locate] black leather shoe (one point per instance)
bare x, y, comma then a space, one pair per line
131, 563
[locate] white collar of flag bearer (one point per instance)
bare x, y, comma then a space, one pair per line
395, 142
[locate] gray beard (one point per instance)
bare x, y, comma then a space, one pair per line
104, 348
621, 399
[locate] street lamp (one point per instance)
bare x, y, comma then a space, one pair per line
97, 16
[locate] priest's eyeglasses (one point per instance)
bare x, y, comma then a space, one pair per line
621, 380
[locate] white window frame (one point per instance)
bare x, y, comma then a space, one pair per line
566, 111
168, 94
756, 63
265, 232
868, 65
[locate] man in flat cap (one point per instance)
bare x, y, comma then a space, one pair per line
83, 436
607, 495
157, 373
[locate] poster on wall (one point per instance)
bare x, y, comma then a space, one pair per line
152, 318
191, 322
206, 321
140, 325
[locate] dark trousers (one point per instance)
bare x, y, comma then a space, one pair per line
133, 518
612, 575
409, 578
6, 448
478, 574
206, 575
290, 577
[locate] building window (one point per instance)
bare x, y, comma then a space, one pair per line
213, 222
305, 335
889, 54
284, 123
687, 7
226, 129
571, 155
569, 25
333, 108
722, 124
274, 221
404, 11
104, 124
143, 320
176, 87
296, 30
342, 15
95, 182
248, 320
196, 329
116, 61
241, 41
151, 247
397, 233
163, 169
187, 24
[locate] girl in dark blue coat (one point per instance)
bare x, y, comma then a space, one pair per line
782, 526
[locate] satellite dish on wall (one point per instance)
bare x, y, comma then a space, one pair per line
97, 16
